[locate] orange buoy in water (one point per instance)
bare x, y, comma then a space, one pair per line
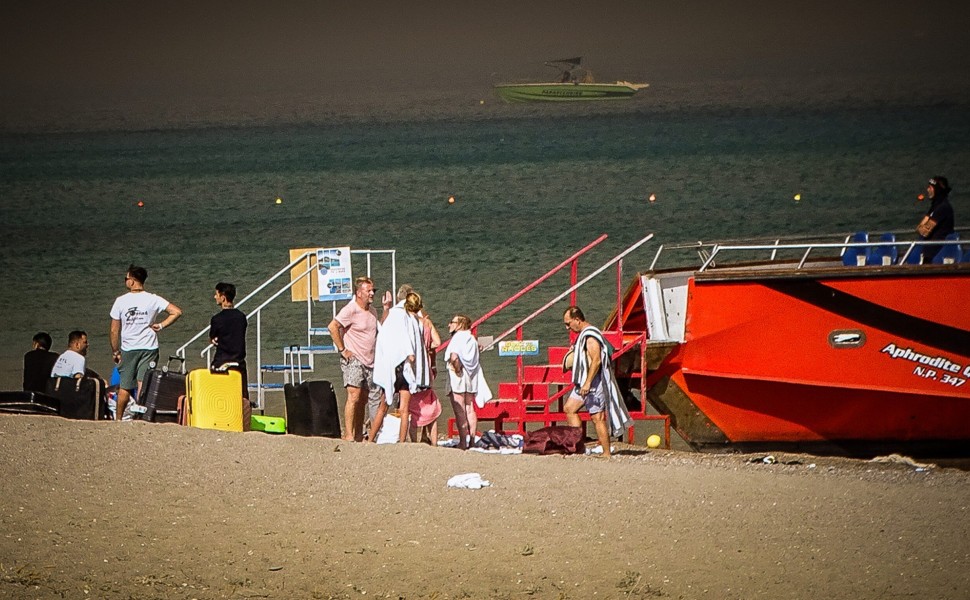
140, 204
451, 199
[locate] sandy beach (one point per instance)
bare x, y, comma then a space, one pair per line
136, 510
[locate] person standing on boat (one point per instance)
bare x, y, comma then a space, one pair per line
595, 386
354, 334
227, 332
938, 221
134, 333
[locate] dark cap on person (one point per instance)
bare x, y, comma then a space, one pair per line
940, 183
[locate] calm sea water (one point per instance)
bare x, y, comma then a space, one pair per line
531, 185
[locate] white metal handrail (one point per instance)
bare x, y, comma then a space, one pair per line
305, 256
257, 312
182, 349
619, 257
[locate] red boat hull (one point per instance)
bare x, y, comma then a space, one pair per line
837, 359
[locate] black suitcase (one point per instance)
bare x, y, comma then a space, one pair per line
311, 409
79, 398
160, 391
31, 403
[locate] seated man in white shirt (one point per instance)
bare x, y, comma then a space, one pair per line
71, 362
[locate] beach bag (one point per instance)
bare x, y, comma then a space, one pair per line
390, 430
556, 439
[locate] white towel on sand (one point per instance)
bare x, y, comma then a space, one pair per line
470, 481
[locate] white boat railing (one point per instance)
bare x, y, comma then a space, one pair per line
807, 248
803, 248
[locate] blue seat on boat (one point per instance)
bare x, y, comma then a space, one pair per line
915, 257
884, 254
951, 253
852, 257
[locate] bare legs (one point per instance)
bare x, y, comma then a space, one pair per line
461, 419
602, 431
572, 406
405, 415
377, 422
354, 414
472, 417
408, 431
428, 434
465, 418
124, 396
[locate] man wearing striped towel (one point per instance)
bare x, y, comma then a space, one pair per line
595, 385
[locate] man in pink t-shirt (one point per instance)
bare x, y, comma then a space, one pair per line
354, 333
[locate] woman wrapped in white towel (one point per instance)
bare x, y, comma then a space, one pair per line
400, 361
466, 382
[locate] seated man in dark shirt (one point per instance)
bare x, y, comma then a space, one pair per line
38, 363
227, 330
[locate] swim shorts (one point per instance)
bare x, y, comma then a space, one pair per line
134, 365
357, 375
595, 400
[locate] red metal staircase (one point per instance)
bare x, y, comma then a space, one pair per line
539, 391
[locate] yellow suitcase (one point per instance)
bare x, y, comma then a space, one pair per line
214, 399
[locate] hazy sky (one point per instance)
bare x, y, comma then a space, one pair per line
102, 50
